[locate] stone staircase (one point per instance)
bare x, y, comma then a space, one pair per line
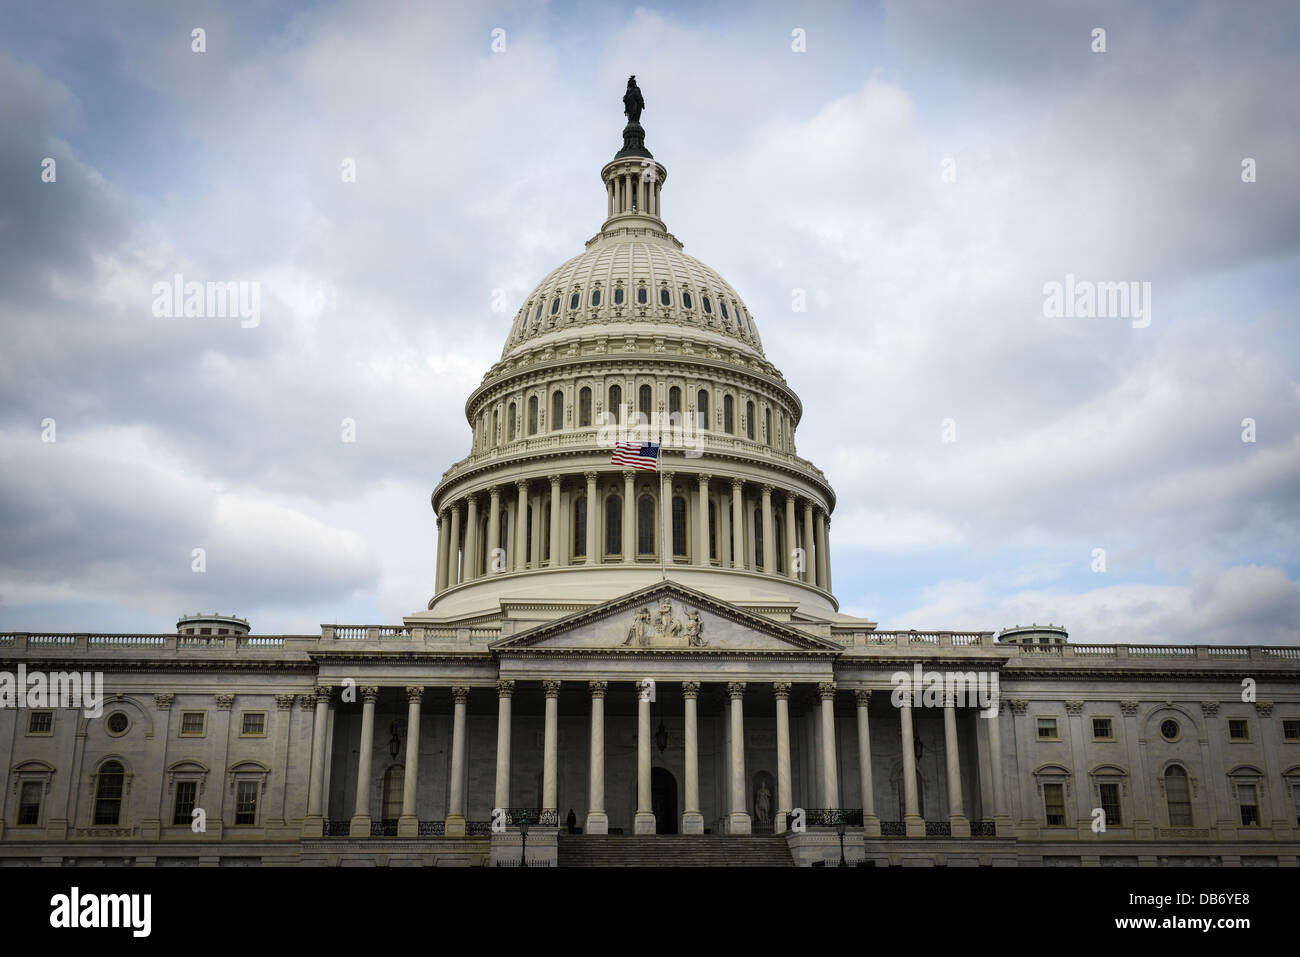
673, 850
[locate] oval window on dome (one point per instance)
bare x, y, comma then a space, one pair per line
708, 305
618, 295
740, 319
537, 313
555, 305
723, 306
574, 300
595, 297
665, 298
641, 296
686, 299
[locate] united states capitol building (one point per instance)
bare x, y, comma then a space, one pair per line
640, 666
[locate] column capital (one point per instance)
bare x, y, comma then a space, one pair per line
668, 478
737, 484
591, 476
1210, 709
460, 692
323, 692
826, 690
307, 701
598, 688
224, 701
704, 479
950, 701
690, 689
1264, 709
415, 693
283, 702
369, 692
555, 479
629, 474
163, 702
781, 688
495, 493
735, 689
904, 697
864, 698
1128, 707
1072, 706
765, 489
644, 689
521, 484
551, 687
505, 688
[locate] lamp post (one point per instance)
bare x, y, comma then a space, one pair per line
523, 838
840, 828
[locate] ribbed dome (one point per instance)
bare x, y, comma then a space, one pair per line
628, 279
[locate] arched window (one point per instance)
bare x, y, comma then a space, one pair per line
595, 297
393, 780
642, 297
644, 400
574, 301
686, 299
511, 423
584, 408
532, 415
675, 405
645, 525
767, 426
504, 537
713, 530
496, 426
708, 305
740, 320
614, 525
618, 295
615, 403
537, 313
728, 414
557, 409
665, 297
108, 794
778, 540
702, 408
679, 527
580, 527
1179, 797
723, 306
749, 421
758, 538
555, 305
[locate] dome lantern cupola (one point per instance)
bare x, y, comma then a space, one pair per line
633, 179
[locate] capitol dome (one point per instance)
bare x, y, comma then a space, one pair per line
632, 334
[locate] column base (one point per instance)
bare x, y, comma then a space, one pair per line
692, 822
960, 825
455, 825
915, 825
1003, 826
738, 823
313, 826
644, 823
597, 823
408, 825
778, 823
359, 826
870, 825
1144, 830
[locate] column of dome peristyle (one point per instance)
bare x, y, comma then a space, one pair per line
633, 186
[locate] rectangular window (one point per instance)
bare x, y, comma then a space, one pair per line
1247, 797
1054, 804
1238, 729
29, 804
1102, 730
246, 803
40, 722
254, 724
1291, 729
1110, 804
1046, 729
193, 723
186, 794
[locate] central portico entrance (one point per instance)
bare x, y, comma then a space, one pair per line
663, 800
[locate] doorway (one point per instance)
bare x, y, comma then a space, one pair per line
663, 800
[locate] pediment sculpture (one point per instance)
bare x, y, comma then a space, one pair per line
664, 628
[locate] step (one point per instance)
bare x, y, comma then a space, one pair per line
673, 850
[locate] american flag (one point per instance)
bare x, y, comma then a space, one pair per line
639, 455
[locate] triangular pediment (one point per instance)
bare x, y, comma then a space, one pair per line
665, 617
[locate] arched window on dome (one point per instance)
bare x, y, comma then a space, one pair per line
758, 538
645, 525
728, 415
584, 408
532, 415
740, 319
557, 410
503, 538
679, 527
618, 295
595, 297
723, 306
512, 421
702, 409
778, 541
580, 527
675, 407
496, 427
708, 305
767, 426
537, 313
644, 401
749, 421
615, 409
665, 297
555, 305
642, 297
575, 300
613, 526
686, 299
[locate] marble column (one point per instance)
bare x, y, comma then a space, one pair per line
784, 796
453, 544
440, 581
557, 555
830, 769
1001, 816
738, 821
737, 524
521, 528
810, 552
692, 819
826, 550
314, 824
629, 517
791, 538
493, 543
360, 825
823, 560
957, 818
471, 540
505, 692
664, 528
870, 823
769, 532
597, 820
914, 823
593, 518
645, 818
456, 803
702, 522
408, 825
551, 747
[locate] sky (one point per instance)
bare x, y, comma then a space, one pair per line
919, 173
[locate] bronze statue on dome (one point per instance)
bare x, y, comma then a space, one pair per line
633, 102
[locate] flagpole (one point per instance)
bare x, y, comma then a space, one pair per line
663, 515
